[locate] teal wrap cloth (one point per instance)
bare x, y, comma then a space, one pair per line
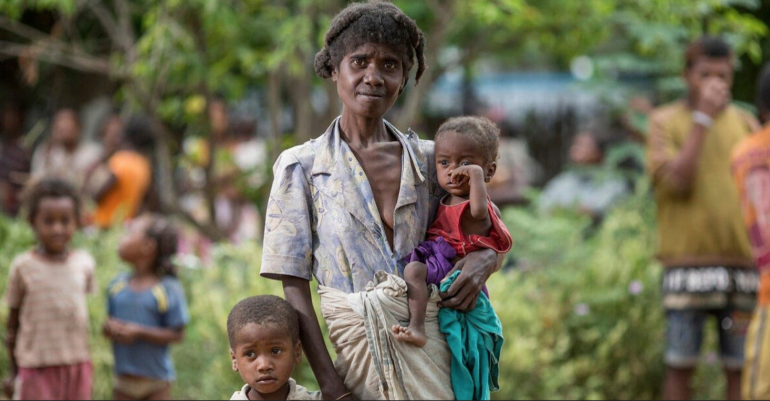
475, 339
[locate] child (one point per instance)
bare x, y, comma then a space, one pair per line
147, 312
466, 221
265, 348
47, 287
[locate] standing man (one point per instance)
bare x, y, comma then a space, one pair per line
702, 242
751, 167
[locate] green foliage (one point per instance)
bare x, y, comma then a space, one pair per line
582, 315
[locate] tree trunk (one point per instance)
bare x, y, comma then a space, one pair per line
274, 106
301, 92
410, 114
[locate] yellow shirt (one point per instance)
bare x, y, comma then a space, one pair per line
703, 225
133, 175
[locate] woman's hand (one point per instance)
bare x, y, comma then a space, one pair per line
475, 270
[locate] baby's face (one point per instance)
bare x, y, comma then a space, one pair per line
453, 151
265, 358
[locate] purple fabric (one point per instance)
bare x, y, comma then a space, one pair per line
437, 255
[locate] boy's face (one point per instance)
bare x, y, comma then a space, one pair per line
707, 69
265, 358
453, 151
55, 224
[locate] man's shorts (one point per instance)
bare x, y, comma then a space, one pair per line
685, 330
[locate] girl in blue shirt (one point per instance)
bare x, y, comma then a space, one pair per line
147, 312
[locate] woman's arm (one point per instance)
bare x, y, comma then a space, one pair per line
105, 188
297, 293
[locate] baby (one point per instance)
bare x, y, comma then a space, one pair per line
466, 221
265, 348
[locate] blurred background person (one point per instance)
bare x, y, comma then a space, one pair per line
65, 155
14, 159
751, 167
702, 242
586, 186
128, 181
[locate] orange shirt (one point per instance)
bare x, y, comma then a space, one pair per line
751, 168
764, 290
133, 175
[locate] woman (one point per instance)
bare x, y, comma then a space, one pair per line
359, 198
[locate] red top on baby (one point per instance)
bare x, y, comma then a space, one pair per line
448, 225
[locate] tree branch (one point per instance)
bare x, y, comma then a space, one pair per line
105, 19
58, 56
22, 30
445, 11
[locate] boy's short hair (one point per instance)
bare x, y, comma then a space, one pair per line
480, 130
49, 187
763, 90
263, 309
712, 47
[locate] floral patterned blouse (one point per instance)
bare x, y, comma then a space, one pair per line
322, 220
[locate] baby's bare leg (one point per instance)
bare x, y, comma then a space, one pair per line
417, 294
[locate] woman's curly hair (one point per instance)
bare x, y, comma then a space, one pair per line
374, 21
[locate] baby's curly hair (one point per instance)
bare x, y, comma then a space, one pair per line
261, 310
374, 21
49, 187
479, 130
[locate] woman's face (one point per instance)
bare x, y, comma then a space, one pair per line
585, 150
369, 80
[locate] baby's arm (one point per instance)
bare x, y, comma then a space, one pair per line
478, 195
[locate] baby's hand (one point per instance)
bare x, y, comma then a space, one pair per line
463, 174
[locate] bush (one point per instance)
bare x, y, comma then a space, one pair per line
582, 318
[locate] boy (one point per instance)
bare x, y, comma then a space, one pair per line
702, 242
265, 348
751, 167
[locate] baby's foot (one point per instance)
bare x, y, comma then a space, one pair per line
410, 335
